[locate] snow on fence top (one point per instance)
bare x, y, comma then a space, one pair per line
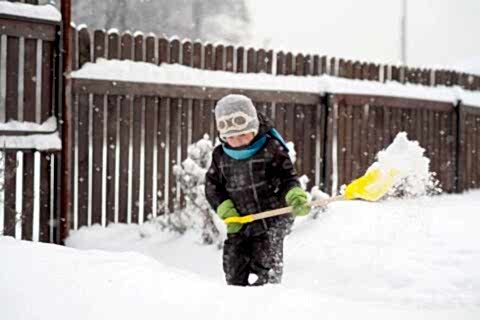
390, 89
43, 12
468, 98
131, 71
42, 136
38, 142
49, 125
127, 70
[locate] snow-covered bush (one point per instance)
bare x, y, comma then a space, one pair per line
197, 213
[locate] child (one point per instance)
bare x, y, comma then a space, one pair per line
251, 172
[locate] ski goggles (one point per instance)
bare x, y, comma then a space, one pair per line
235, 121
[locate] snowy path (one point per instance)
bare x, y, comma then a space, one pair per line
389, 260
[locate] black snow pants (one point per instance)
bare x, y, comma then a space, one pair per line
254, 256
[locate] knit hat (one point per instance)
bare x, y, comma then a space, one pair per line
235, 114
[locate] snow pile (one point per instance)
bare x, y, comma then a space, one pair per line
43, 12
131, 71
405, 157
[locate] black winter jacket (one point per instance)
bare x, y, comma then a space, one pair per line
256, 184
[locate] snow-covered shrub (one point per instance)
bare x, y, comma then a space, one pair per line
197, 213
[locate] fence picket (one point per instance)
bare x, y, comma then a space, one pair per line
29, 114
112, 122
27, 195
98, 115
99, 38
473, 152
162, 158
229, 55
357, 141
11, 99
197, 121
324, 65
209, 105
477, 147
83, 114
348, 156
175, 134
45, 193
9, 191
84, 47
151, 108
124, 143
126, 46
240, 59
186, 112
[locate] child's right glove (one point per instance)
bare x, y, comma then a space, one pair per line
297, 198
226, 210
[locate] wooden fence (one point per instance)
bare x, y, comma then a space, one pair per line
127, 136
93, 44
28, 92
135, 134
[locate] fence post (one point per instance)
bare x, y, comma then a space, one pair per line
459, 181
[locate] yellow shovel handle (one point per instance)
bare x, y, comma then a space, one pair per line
242, 220
278, 212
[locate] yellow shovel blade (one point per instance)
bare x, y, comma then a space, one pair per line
371, 186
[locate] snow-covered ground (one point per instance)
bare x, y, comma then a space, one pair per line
392, 259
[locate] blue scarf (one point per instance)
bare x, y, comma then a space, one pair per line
251, 150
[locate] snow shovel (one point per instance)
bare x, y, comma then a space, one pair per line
371, 187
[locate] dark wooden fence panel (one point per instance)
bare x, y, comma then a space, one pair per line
171, 116
29, 93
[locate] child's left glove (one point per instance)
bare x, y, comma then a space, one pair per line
297, 198
226, 210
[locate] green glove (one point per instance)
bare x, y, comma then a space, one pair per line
226, 210
297, 198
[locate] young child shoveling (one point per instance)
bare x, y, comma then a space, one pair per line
251, 172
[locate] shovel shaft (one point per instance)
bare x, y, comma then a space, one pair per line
278, 212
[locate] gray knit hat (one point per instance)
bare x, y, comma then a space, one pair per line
235, 114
